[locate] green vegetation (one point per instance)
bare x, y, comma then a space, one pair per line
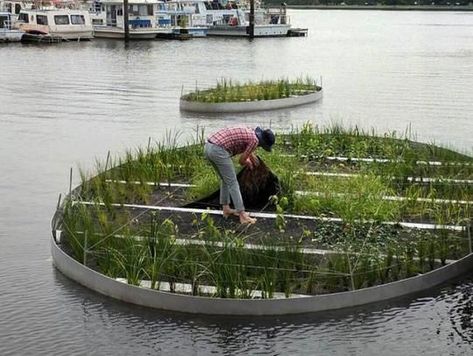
276, 258
228, 91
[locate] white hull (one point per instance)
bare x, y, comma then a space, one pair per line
135, 34
7, 34
241, 31
10, 36
76, 35
87, 34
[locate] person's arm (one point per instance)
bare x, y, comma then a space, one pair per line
247, 158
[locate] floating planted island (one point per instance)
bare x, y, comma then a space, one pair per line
234, 97
347, 218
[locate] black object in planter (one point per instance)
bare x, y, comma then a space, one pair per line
257, 185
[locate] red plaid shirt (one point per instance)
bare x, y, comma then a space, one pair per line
235, 140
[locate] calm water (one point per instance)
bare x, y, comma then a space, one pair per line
64, 105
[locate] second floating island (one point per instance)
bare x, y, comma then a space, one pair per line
231, 97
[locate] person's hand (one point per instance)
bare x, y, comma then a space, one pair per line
249, 163
254, 160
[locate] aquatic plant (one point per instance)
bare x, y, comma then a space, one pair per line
201, 251
228, 91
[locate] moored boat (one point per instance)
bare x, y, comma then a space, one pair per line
142, 22
183, 18
69, 24
7, 34
231, 18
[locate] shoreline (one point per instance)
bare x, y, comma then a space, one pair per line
382, 7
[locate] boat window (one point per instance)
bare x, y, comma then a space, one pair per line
77, 19
133, 10
41, 19
3, 21
141, 10
17, 8
197, 11
61, 20
23, 17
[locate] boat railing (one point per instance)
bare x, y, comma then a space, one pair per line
177, 12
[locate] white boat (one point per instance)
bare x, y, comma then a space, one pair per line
69, 24
183, 18
7, 34
232, 19
144, 19
272, 22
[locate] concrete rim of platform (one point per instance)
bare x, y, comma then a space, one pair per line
222, 306
248, 106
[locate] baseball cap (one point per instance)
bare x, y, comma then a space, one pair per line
266, 138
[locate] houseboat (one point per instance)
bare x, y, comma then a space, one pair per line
145, 19
184, 17
7, 34
69, 24
272, 22
232, 18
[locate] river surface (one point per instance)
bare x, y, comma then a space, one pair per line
65, 105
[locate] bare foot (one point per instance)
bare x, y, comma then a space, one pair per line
227, 211
246, 219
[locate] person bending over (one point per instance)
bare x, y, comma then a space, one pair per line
219, 149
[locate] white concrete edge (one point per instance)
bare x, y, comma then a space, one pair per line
223, 306
409, 179
384, 160
248, 106
439, 180
273, 216
186, 288
388, 197
307, 251
302, 192
159, 184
